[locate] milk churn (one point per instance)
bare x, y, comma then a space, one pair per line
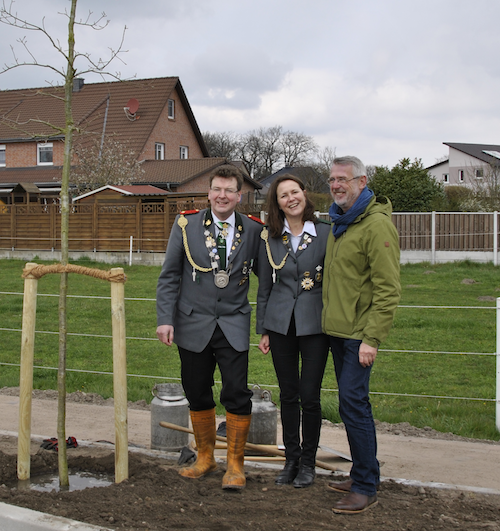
169, 405
264, 424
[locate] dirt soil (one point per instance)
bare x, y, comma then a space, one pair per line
155, 497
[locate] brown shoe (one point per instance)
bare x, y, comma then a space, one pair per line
354, 503
340, 486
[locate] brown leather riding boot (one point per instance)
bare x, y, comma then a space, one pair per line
237, 427
204, 433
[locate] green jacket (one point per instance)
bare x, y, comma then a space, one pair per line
361, 287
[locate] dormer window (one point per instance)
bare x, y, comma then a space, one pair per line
45, 154
171, 109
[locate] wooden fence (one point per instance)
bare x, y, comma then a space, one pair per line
109, 226
447, 231
97, 226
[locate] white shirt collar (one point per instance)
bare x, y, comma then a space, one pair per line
231, 219
309, 227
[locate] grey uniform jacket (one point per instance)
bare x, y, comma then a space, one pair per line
297, 289
195, 307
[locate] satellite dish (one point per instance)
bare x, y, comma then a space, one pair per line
132, 105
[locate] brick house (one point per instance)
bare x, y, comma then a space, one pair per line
192, 175
152, 116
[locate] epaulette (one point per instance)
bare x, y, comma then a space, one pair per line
255, 219
187, 212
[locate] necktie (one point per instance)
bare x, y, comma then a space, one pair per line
221, 243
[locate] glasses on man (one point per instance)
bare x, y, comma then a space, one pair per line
341, 180
227, 191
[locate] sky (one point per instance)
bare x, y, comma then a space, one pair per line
379, 79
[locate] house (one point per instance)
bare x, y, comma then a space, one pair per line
466, 163
313, 181
192, 175
117, 194
151, 116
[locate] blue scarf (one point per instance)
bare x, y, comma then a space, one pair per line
342, 221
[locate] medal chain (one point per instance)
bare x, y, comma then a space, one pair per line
265, 236
182, 222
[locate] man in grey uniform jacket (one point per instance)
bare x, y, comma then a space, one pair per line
202, 306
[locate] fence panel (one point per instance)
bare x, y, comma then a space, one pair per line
108, 227
414, 229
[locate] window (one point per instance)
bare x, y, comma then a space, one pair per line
171, 109
45, 154
479, 173
2, 154
446, 177
183, 152
460, 176
159, 151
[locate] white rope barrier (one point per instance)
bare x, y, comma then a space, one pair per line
497, 353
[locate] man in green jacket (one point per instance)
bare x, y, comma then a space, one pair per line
361, 290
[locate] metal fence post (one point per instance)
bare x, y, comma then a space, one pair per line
497, 410
433, 238
495, 238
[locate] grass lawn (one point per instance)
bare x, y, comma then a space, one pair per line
450, 366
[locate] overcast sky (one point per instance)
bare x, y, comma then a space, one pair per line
379, 79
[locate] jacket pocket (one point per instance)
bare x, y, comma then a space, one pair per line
186, 309
245, 309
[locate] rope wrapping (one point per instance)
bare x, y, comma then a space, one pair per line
40, 270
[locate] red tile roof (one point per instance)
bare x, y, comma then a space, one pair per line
96, 106
142, 189
183, 170
36, 174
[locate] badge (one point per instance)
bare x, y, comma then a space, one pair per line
307, 282
318, 277
221, 279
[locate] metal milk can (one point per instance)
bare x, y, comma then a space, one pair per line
169, 405
264, 423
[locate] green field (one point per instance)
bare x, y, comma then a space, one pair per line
452, 339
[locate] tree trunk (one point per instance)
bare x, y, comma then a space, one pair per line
63, 290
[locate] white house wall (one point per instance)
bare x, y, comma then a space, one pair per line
439, 170
461, 161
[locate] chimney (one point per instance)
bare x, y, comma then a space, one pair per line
78, 84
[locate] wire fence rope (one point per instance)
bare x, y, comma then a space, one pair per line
131, 338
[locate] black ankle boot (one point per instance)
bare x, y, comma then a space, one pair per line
305, 477
288, 474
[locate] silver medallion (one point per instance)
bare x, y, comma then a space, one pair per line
221, 279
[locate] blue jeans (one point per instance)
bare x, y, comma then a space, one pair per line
355, 411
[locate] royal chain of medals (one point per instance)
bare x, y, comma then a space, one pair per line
221, 276
307, 282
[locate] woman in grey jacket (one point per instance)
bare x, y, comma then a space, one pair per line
289, 318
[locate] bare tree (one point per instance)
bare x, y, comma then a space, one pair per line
298, 148
484, 184
68, 72
101, 163
324, 161
222, 144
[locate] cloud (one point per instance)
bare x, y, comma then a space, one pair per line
234, 78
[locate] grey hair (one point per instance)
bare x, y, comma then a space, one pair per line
358, 168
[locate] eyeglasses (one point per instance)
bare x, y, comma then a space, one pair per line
227, 191
341, 180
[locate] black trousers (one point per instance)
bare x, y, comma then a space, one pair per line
197, 373
300, 388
